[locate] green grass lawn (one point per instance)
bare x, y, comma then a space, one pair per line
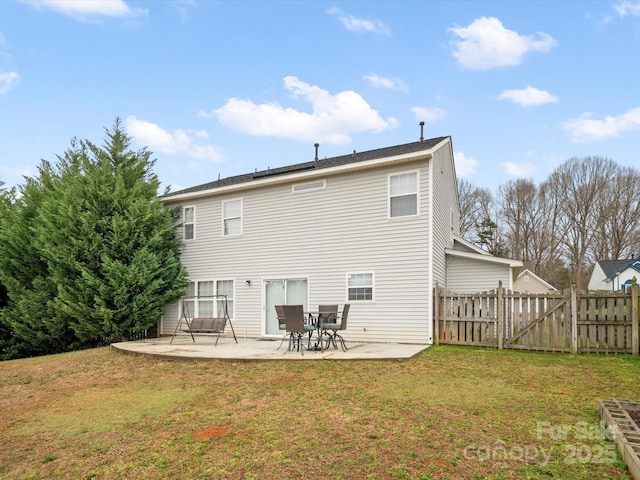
449, 413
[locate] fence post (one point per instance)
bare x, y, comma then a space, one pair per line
436, 314
635, 319
500, 314
574, 320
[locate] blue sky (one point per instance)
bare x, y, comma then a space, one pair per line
226, 87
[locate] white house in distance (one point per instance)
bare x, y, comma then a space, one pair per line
614, 274
373, 229
529, 282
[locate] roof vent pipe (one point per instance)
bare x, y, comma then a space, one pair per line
421, 132
316, 145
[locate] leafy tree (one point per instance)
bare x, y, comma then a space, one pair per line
488, 238
35, 327
94, 256
5, 329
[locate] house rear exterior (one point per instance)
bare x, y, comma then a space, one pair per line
370, 229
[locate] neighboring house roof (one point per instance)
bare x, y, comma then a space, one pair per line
464, 249
607, 273
311, 166
611, 268
535, 277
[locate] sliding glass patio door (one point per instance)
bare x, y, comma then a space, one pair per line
288, 291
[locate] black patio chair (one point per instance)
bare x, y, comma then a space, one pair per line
281, 323
330, 329
294, 325
327, 315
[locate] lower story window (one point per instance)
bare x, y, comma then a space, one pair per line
203, 300
360, 286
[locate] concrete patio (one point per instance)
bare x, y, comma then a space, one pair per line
252, 349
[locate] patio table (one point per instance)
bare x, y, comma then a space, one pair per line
313, 318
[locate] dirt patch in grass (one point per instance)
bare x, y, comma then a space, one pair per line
449, 413
212, 432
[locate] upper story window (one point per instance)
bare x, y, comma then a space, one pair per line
189, 224
403, 194
305, 187
232, 217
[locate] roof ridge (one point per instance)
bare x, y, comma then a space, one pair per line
314, 164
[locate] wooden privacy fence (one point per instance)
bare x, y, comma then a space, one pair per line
569, 321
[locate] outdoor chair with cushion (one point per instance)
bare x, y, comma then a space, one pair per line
281, 323
330, 330
295, 325
327, 315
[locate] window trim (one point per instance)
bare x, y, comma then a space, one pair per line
215, 281
373, 286
185, 223
309, 186
417, 193
224, 219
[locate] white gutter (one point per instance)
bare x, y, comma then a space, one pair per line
484, 258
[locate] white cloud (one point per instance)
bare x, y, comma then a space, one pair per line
486, 44
84, 9
8, 80
428, 114
519, 169
332, 119
626, 7
465, 166
388, 83
354, 24
19, 172
177, 143
586, 129
528, 97
183, 6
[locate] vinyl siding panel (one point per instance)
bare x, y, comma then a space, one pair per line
466, 275
598, 280
445, 210
322, 235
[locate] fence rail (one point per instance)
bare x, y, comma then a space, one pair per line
569, 321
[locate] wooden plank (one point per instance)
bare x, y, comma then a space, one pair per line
436, 314
574, 321
635, 320
532, 324
619, 317
500, 313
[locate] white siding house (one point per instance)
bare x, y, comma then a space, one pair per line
528, 282
369, 229
614, 274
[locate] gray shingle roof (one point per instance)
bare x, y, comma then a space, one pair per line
611, 267
315, 165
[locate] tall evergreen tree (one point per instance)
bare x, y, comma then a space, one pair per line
92, 255
110, 243
35, 326
5, 329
